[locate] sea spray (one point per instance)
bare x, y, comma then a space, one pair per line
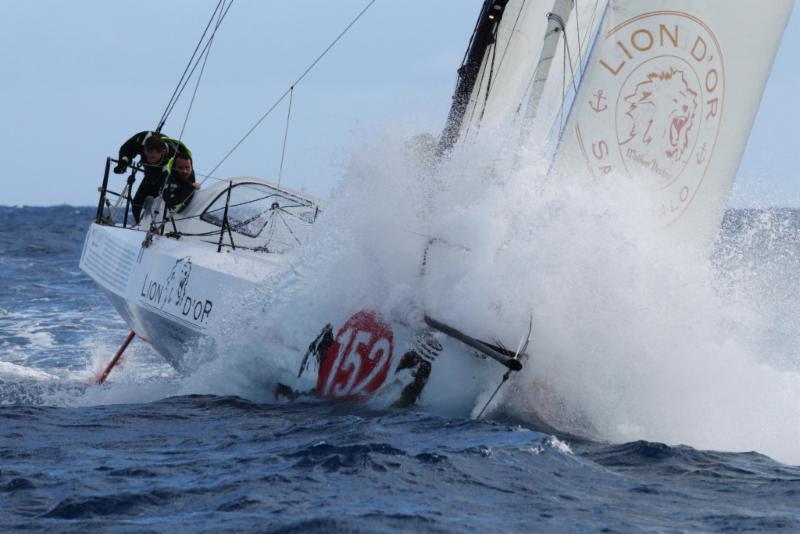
113, 456
365, 252
637, 334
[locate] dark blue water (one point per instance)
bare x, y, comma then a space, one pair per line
129, 457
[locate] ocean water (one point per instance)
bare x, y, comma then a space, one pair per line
151, 451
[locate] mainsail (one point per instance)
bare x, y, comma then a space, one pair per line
661, 92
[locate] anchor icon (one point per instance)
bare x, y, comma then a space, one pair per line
701, 155
597, 105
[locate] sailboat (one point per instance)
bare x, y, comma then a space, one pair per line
658, 93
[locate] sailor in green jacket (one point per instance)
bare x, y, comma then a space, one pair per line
157, 153
181, 184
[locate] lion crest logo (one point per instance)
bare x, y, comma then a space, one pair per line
662, 107
653, 107
179, 275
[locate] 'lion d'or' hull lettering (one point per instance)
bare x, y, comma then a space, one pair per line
171, 294
662, 74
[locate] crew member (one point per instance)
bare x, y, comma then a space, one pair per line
181, 183
157, 152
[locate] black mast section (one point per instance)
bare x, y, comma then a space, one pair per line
482, 38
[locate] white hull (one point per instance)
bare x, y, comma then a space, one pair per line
173, 291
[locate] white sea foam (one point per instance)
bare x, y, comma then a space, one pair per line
636, 335
54, 379
14, 371
30, 328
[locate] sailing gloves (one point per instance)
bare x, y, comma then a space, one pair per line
121, 166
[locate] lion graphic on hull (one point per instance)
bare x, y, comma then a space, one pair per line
180, 274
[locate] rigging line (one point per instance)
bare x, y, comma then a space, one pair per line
196, 63
260, 188
587, 35
287, 206
194, 94
571, 68
563, 88
282, 209
245, 202
286, 133
578, 32
189, 63
513, 29
506, 376
560, 22
207, 176
270, 229
280, 216
491, 73
296, 82
239, 204
262, 212
197, 84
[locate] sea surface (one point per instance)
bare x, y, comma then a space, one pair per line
129, 456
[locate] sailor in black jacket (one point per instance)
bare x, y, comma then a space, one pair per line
181, 183
157, 153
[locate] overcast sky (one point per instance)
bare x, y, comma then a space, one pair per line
80, 76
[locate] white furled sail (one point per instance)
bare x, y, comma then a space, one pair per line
516, 57
507, 66
668, 98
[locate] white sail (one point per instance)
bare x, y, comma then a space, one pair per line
668, 98
506, 67
662, 92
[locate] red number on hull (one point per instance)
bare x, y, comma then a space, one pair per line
358, 361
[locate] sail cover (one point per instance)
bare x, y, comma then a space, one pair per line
661, 92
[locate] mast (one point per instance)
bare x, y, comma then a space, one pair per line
482, 38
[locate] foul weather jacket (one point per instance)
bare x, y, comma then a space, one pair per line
156, 174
